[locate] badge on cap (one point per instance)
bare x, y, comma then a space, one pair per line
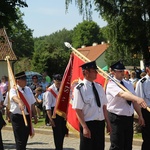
118, 66
89, 65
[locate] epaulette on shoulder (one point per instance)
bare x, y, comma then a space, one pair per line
79, 85
143, 80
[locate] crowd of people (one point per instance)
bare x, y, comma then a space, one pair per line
95, 108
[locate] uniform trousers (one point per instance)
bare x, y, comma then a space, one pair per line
59, 131
21, 132
122, 132
45, 116
146, 130
1, 141
97, 140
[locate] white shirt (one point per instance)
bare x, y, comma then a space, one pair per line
1, 97
88, 104
143, 89
49, 98
14, 108
116, 104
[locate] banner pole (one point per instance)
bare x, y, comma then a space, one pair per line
102, 72
13, 84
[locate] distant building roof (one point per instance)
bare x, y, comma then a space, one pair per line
93, 52
5, 46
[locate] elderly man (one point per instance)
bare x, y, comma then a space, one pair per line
21, 99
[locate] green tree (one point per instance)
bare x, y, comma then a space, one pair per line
86, 33
128, 23
8, 11
50, 54
21, 36
22, 42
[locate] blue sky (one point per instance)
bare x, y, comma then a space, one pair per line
48, 16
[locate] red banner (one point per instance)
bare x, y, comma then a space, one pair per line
77, 75
73, 75
64, 94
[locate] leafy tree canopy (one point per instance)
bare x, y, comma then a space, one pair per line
8, 11
86, 33
50, 54
21, 36
128, 22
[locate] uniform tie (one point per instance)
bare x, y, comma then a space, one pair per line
96, 95
129, 102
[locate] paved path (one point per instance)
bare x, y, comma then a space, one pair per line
43, 140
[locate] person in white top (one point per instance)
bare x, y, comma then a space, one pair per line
91, 113
143, 91
121, 105
47, 122
58, 123
24, 102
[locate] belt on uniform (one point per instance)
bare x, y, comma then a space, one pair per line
95, 121
121, 116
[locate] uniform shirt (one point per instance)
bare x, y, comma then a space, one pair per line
116, 104
143, 89
87, 102
14, 108
133, 80
50, 100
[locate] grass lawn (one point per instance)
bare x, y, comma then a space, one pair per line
41, 123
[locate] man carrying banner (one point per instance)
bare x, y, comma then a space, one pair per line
121, 105
58, 122
90, 105
22, 99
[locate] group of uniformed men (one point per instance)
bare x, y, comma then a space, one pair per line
93, 107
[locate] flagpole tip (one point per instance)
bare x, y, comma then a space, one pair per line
67, 44
7, 57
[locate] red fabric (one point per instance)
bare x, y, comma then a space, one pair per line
76, 75
65, 97
50, 90
29, 111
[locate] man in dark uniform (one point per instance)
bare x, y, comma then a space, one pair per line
90, 106
121, 105
21, 99
143, 91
